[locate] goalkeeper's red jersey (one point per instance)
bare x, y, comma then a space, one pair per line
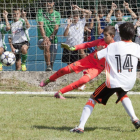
100, 42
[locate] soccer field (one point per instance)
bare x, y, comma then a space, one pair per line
42, 117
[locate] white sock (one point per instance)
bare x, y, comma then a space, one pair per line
126, 102
87, 110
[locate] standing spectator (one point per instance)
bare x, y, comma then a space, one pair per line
119, 18
74, 31
100, 20
48, 23
136, 24
3, 30
19, 38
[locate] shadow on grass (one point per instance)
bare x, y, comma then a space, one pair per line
63, 128
67, 96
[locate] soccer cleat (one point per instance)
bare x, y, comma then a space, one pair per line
136, 124
44, 83
23, 67
1, 67
67, 47
77, 130
59, 95
49, 68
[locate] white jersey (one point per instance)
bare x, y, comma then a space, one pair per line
121, 64
2, 36
76, 33
19, 33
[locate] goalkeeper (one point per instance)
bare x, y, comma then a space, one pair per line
94, 67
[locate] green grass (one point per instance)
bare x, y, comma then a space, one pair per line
42, 117
17, 85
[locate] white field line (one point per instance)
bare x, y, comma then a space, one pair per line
52, 93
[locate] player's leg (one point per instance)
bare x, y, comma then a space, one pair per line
45, 46
18, 64
97, 96
24, 50
127, 104
53, 51
1, 51
89, 75
59, 73
84, 79
74, 67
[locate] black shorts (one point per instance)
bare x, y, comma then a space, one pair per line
70, 56
18, 46
103, 93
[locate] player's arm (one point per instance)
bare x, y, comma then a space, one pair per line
11, 45
100, 30
138, 31
113, 8
81, 46
56, 27
54, 32
41, 25
41, 28
86, 13
69, 22
100, 54
25, 18
5, 14
126, 5
91, 23
137, 23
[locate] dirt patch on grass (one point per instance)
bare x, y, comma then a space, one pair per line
17, 85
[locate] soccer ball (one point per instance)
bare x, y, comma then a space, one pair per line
8, 58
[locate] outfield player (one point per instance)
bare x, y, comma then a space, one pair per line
3, 30
121, 63
19, 38
119, 18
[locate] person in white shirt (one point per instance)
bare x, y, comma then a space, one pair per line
74, 33
3, 31
121, 63
19, 38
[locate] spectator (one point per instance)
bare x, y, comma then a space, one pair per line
137, 35
137, 29
3, 30
48, 23
119, 18
74, 31
19, 38
100, 20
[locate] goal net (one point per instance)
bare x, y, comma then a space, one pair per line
35, 59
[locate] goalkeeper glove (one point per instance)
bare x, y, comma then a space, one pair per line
67, 47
